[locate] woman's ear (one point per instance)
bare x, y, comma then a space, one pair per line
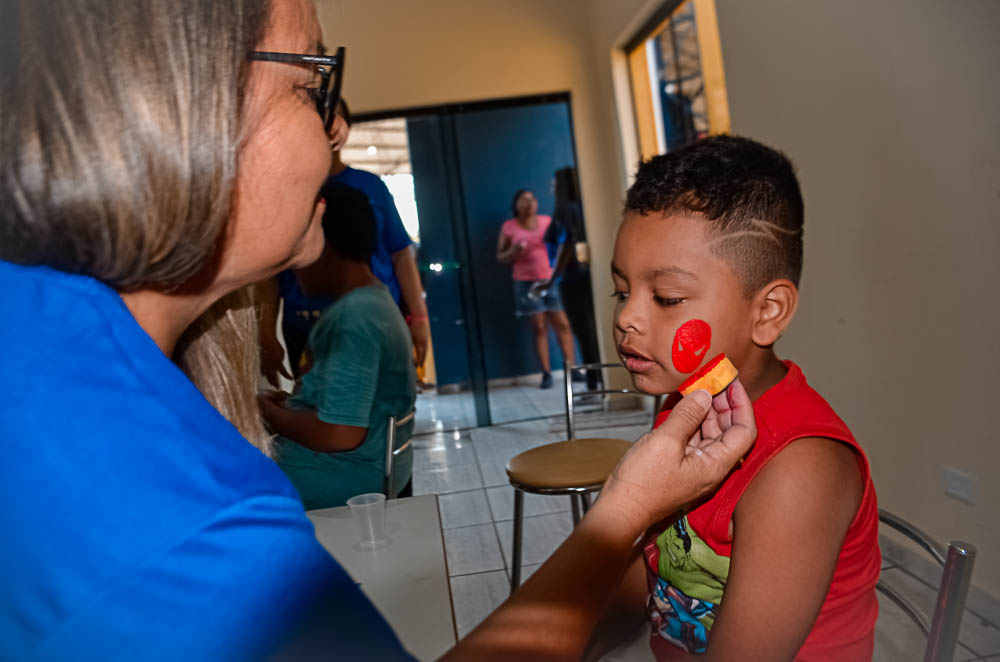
775, 304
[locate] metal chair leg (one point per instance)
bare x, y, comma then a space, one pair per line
573, 499
515, 557
585, 502
950, 607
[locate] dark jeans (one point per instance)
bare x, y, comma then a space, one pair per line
577, 301
406, 491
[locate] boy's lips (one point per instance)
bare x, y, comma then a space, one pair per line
635, 361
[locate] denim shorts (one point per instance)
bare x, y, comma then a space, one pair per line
525, 306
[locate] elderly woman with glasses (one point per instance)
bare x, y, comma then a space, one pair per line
158, 158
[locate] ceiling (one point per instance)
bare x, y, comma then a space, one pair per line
380, 147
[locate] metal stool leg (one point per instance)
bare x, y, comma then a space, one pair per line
574, 500
515, 560
585, 502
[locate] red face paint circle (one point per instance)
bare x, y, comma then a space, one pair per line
691, 342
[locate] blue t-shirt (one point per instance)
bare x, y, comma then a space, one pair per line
362, 373
300, 312
138, 523
392, 236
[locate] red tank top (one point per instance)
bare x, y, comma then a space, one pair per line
688, 564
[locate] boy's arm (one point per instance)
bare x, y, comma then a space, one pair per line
305, 428
789, 527
344, 377
404, 264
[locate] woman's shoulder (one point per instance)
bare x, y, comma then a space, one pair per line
95, 387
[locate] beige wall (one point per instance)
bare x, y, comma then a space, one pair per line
890, 110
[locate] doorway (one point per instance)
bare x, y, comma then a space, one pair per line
453, 171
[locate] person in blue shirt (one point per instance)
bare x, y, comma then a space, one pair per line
158, 159
141, 523
393, 262
333, 429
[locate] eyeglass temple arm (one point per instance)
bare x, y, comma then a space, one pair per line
338, 79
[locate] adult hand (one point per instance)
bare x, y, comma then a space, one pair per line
685, 458
552, 616
420, 331
339, 132
517, 250
272, 361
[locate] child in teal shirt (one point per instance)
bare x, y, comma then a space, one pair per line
332, 432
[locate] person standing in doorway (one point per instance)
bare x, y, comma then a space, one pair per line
572, 269
521, 244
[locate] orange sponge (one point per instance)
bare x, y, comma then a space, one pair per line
715, 377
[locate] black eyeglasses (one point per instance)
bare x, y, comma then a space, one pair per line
329, 67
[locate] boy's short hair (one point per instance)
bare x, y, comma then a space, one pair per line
747, 191
349, 222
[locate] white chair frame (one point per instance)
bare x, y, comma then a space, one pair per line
391, 452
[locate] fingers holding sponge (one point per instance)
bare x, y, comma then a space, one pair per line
715, 377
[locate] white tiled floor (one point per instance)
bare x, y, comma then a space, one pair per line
465, 467
514, 399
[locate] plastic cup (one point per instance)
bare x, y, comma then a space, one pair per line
369, 512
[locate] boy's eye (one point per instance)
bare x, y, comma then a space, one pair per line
620, 296
667, 302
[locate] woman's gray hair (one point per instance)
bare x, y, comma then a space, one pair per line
120, 127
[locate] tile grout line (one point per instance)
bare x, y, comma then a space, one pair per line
471, 489
503, 521
489, 506
473, 574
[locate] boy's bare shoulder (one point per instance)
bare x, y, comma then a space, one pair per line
811, 477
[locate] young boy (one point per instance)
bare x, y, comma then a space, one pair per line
333, 430
781, 562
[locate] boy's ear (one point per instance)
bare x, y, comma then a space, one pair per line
775, 304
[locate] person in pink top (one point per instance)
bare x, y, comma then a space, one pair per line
521, 244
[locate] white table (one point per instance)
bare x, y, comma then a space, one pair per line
408, 578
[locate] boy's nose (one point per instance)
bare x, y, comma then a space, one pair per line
628, 318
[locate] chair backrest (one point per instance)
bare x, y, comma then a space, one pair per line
572, 395
391, 451
957, 562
